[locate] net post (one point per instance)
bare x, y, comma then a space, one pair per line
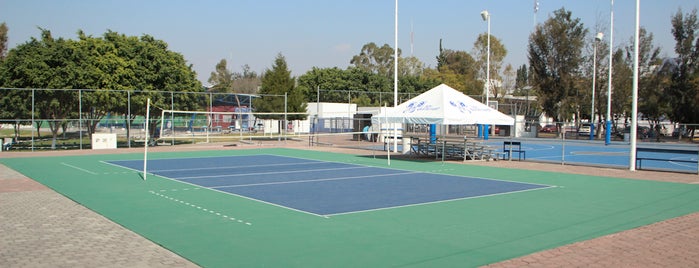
145, 152
162, 124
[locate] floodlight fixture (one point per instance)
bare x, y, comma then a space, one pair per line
485, 15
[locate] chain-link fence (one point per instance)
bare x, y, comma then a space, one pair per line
30, 118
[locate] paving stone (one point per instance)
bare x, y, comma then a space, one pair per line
41, 228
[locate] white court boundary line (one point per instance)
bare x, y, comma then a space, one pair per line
78, 168
327, 216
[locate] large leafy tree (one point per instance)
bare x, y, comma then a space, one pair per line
226, 81
599, 73
653, 81
3, 40
16, 108
152, 71
106, 68
276, 83
15, 103
498, 52
325, 84
375, 59
555, 55
459, 70
221, 79
622, 79
362, 86
246, 82
44, 63
336, 85
368, 81
683, 93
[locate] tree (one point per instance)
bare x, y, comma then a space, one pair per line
410, 66
221, 79
498, 52
246, 82
555, 55
45, 63
277, 82
3, 40
15, 103
508, 79
622, 81
120, 63
142, 67
376, 59
683, 91
457, 69
332, 81
16, 106
653, 81
363, 87
600, 75
522, 79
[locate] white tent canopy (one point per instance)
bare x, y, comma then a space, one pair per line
446, 106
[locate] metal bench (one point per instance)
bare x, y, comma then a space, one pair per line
511, 147
669, 152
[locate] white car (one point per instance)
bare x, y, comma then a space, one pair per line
584, 129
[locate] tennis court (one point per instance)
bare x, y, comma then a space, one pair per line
299, 208
596, 153
324, 188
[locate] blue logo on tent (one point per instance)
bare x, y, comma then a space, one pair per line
419, 106
463, 108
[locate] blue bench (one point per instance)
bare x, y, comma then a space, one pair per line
513, 147
668, 151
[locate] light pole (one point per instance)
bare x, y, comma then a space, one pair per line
598, 38
486, 17
608, 133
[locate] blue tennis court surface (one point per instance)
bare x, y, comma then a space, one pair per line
597, 153
323, 188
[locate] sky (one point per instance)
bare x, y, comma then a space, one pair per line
326, 33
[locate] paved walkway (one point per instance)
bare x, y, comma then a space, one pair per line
41, 228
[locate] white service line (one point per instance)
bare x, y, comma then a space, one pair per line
237, 167
316, 180
268, 173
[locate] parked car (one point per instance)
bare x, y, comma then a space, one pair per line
641, 132
685, 132
680, 131
584, 129
549, 129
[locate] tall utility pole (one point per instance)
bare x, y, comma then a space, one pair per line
608, 133
634, 94
395, 78
486, 17
598, 38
